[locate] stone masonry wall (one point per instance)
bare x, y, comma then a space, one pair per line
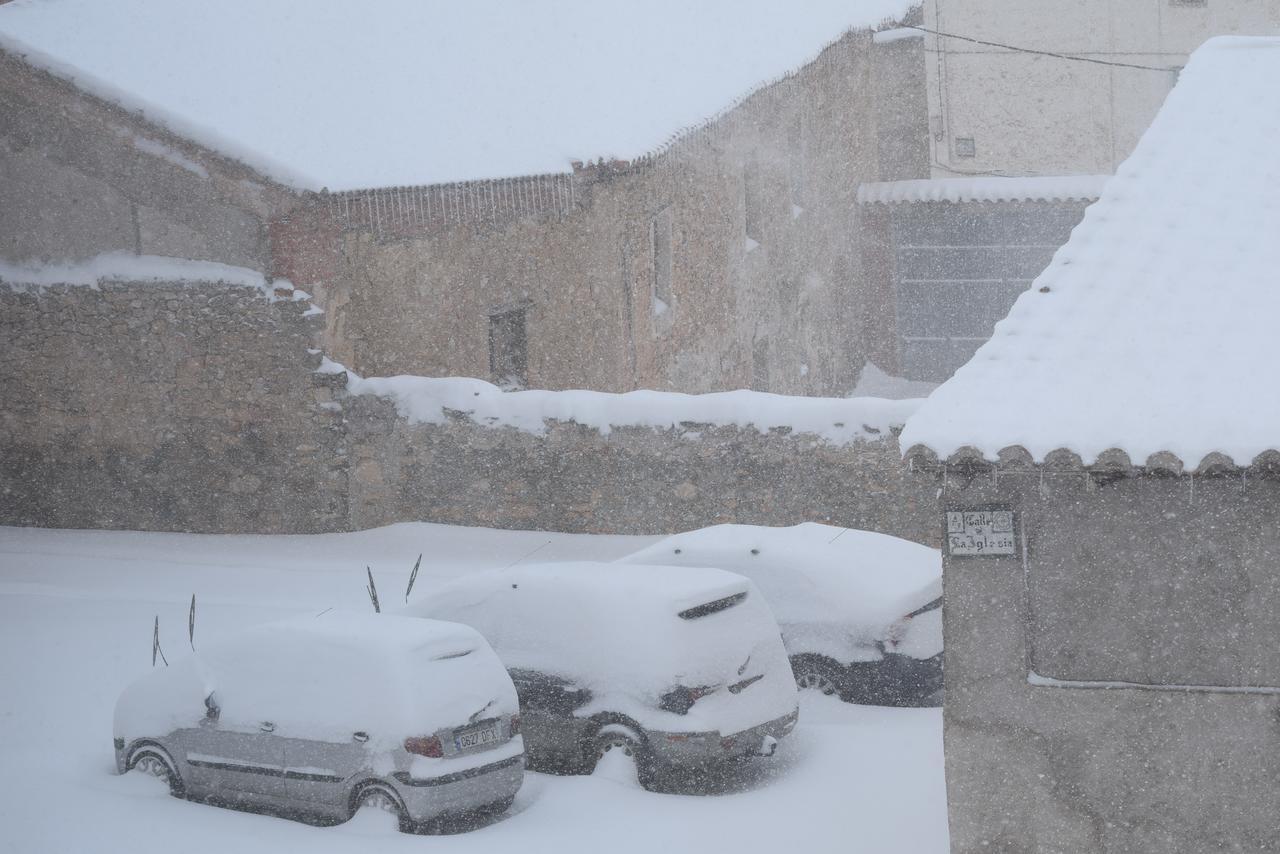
79, 177
728, 259
153, 406
197, 407
634, 480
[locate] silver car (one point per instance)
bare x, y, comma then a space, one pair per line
318, 717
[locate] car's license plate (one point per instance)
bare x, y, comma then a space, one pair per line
475, 736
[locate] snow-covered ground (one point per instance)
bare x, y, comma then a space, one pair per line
76, 613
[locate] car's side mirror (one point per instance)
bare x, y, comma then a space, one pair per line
211, 709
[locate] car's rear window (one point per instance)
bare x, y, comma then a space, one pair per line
712, 607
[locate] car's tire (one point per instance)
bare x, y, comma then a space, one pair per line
154, 761
815, 672
632, 742
382, 797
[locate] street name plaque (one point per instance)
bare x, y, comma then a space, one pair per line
981, 533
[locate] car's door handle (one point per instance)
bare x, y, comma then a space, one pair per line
360, 736
267, 726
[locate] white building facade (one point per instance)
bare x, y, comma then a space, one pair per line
997, 111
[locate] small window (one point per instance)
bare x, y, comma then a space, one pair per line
752, 203
795, 166
760, 364
660, 246
508, 348
965, 147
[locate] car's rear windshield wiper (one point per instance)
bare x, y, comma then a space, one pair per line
712, 607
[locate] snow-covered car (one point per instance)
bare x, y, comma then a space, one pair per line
683, 670
321, 716
860, 612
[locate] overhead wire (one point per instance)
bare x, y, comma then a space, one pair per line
1033, 51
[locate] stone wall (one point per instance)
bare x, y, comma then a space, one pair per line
165, 406
196, 406
632, 480
79, 177
728, 259
1111, 685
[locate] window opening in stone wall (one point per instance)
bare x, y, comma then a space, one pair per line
795, 166
760, 364
509, 348
751, 203
660, 249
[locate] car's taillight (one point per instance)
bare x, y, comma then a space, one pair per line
425, 746
513, 728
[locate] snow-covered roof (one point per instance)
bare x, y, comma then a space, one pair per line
1046, 188
330, 93
429, 400
1153, 329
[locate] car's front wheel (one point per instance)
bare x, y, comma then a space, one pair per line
155, 762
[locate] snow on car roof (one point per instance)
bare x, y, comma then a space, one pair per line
326, 677
1152, 326
812, 572
346, 95
669, 588
616, 629
385, 635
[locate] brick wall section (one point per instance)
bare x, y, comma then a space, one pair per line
183, 407
630, 481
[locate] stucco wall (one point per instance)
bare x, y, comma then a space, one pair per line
79, 177
1154, 580
180, 407
1031, 114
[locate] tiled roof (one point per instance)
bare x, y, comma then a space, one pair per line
1153, 333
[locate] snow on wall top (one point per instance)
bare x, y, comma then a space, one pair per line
1050, 188
397, 92
1152, 326
835, 420
127, 267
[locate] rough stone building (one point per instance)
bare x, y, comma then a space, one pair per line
727, 257
80, 176
1110, 486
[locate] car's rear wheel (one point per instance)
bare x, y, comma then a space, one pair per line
815, 673
617, 739
155, 762
379, 797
